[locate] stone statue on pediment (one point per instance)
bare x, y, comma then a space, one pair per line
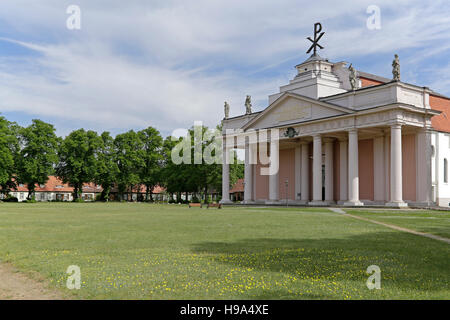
248, 105
352, 77
396, 68
226, 108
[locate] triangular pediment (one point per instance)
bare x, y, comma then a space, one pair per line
293, 108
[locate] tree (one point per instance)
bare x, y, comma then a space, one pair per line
9, 146
107, 169
38, 154
128, 155
78, 159
173, 177
151, 159
236, 170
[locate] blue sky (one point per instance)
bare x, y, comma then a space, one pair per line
169, 63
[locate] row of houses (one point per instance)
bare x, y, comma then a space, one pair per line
56, 190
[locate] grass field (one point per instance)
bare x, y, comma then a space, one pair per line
143, 251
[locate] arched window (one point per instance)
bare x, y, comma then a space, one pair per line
445, 170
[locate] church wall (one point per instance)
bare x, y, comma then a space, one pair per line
261, 183
409, 167
441, 188
287, 171
365, 169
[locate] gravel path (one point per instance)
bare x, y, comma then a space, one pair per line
17, 286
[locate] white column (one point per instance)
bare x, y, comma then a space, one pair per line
353, 173
305, 172
329, 191
317, 170
396, 167
423, 166
297, 172
387, 153
378, 169
343, 170
248, 174
225, 174
273, 179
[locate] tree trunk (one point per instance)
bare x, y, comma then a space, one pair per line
146, 192
30, 191
105, 193
75, 192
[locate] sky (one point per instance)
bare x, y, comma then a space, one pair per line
166, 64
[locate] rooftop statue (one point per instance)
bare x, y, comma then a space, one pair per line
226, 108
396, 68
352, 77
248, 105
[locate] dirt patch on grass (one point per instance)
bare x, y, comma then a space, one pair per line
18, 286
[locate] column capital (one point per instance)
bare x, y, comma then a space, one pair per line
397, 125
425, 130
352, 130
304, 142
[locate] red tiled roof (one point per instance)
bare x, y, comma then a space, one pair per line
56, 185
53, 185
238, 186
440, 122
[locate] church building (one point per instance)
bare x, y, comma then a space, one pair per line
341, 136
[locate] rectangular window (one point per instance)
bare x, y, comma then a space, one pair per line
445, 171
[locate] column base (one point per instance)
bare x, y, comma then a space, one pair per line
353, 204
273, 202
423, 204
248, 202
318, 203
396, 204
225, 201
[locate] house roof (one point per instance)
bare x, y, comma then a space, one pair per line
54, 184
238, 186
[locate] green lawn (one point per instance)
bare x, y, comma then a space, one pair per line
435, 222
143, 251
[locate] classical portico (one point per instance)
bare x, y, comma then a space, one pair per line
322, 141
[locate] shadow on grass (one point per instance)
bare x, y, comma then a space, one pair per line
407, 262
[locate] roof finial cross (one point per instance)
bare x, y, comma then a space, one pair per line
317, 36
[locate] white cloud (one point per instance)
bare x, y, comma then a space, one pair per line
168, 63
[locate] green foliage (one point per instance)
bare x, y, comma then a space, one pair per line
107, 168
38, 155
29, 155
10, 199
78, 154
128, 155
8, 153
152, 159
